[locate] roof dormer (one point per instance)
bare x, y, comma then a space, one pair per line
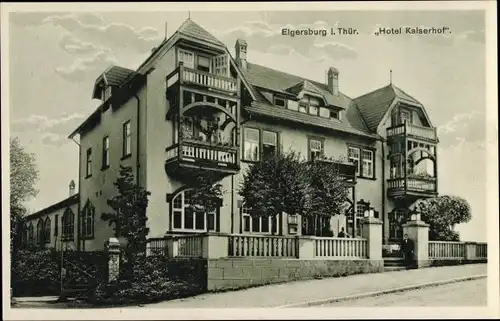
109, 80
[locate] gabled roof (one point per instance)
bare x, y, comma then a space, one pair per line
112, 76
192, 29
304, 86
374, 105
278, 81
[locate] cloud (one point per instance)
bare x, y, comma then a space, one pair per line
474, 35
51, 131
83, 68
110, 33
69, 43
463, 127
335, 51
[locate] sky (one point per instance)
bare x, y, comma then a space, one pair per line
55, 59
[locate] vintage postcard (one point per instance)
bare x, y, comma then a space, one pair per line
250, 160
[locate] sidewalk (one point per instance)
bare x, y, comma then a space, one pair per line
300, 291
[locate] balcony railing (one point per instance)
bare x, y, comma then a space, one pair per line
201, 78
411, 184
203, 154
428, 133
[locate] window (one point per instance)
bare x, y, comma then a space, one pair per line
280, 102
186, 215
367, 163
127, 139
187, 58
56, 225
269, 143
187, 127
107, 93
360, 214
105, 152
251, 144
303, 108
203, 64
40, 232
334, 114
396, 220
68, 225
353, 157
89, 162
405, 116
364, 160
88, 213
47, 230
31, 234
396, 167
313, 110
315, 148
257, 224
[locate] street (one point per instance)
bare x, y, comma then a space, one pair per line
464, 294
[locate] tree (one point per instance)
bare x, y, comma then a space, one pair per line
206, 188
328, 192
442, 213
287, 183
274, 185
129, 217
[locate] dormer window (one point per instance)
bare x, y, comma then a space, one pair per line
106, 93
280, 102
334, 114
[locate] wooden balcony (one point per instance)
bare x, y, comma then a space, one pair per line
415, 131
412, 186
202, 79
202, 155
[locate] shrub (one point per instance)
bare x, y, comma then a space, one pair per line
154, 279
36, 273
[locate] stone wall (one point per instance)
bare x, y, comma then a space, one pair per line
237, 273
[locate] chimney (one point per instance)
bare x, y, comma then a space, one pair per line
71, 188
166, 30
241, 53
333, 81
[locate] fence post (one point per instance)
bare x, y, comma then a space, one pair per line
215, 245
113, 259
470, 251
172, 247
372, 231
305, 247
418, 232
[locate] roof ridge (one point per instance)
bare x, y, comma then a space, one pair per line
375, 90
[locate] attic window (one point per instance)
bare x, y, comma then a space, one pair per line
334, 114
106, 93
280, 102
203, 64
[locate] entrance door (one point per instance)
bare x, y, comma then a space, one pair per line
396, 220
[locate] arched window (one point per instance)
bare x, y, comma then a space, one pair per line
31, 234
46, 235
25, 234
68, 225
188, 216
40, 233
88, 214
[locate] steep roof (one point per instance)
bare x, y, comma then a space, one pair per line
278, 81
113, 76
374, 105
192, 29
